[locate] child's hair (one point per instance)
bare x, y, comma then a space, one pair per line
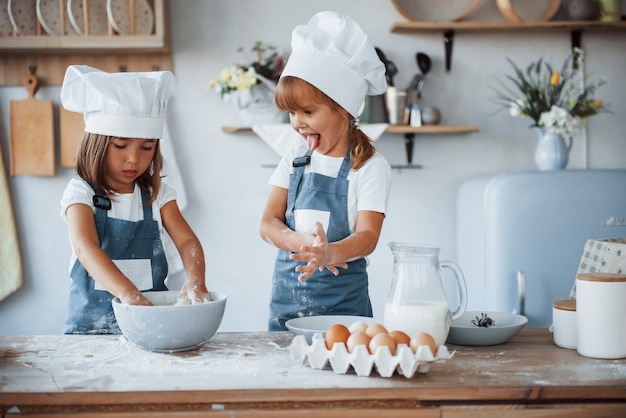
294, 93
91, 166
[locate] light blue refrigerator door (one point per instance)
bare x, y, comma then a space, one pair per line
535, 227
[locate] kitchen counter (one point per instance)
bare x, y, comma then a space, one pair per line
252, 374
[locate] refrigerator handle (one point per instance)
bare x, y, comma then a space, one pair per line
521, 291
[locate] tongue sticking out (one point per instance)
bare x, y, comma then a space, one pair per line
313, 141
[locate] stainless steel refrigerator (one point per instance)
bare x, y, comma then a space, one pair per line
520, 235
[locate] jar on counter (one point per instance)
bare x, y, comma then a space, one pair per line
601, 315
564, 326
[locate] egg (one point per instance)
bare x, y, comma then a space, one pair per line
358, 338
400, 337
423, 338
336, 333
358, 326
374, 329
382, 340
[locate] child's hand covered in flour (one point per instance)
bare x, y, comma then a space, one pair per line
193, 293
317, 255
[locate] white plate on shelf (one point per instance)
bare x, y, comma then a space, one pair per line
442, 11
309, 325
49, 15
98, 22
23, 16
6, 28
464, 332
118, 12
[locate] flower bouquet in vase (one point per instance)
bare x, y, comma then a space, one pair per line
251, 87
557, 101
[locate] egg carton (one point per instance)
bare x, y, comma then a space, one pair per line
404, 362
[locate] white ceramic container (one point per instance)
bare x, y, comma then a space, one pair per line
601, 315
564, 326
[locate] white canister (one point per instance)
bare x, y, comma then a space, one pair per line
564, 327
601, 315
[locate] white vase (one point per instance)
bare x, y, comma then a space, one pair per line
256, 106
551, 153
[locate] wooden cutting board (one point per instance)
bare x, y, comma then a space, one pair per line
10, 259
32, 133
72, 129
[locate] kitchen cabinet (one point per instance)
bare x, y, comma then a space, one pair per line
252, 374
52, 54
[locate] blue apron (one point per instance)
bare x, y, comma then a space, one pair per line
322, 293
90, 310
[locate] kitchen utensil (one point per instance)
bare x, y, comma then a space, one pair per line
396, 106
601, 315
32, 133
10, 259
71, 130
417, 83
506, 326
610, 10
390, 68
583, 9
431, 115
416, 300
310, 325
167, 326
564, 327
423, 62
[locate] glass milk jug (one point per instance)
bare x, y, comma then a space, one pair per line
416, 300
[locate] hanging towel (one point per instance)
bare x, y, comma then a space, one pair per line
281, 137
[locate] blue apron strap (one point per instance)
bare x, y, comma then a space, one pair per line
147, 209
100, 215
294, 185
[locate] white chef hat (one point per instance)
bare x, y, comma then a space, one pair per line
333, 53
129, 105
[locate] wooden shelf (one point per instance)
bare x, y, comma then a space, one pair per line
465, 26
409, 133
449, 29
73, 44
391, 129
431, 129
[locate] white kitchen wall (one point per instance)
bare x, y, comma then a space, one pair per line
226, 182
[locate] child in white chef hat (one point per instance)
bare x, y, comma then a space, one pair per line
329, 194
117, 208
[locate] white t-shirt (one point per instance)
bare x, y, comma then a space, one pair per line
368, 188
127, 206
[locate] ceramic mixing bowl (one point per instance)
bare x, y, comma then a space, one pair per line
464, 330
167, 326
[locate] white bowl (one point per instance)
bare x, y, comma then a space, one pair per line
464, 332
309, 325
169, 327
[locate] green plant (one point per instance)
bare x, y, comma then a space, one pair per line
555, 100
